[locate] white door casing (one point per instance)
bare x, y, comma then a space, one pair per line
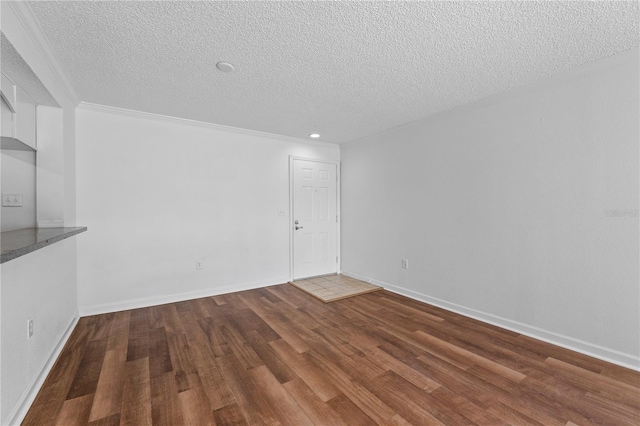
315, 218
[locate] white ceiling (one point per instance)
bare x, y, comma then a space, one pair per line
20, 73
342, 69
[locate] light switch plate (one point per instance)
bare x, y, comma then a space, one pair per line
11, 199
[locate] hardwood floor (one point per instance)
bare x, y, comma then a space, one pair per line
279, 356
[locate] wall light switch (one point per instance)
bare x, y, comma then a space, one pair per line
11, 199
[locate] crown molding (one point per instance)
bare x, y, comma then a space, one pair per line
195, 123
29, 23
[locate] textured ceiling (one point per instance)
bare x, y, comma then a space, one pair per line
342, 69
18, 71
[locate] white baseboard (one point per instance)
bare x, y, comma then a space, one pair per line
172, 298
606, 354
29, 395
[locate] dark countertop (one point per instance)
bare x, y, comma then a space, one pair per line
22, 241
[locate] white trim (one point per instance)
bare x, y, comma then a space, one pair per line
145, 302
31, 391
605, 354
339, 218
23, 13
292, 158
195, 123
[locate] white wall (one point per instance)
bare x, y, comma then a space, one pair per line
158, 194
19, 175
69, 171
41, 286
502, 210
50, 172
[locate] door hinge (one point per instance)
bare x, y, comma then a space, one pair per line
336, 218
336, 259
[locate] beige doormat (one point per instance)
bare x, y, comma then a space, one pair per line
334, 287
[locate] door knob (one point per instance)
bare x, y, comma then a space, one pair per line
299, 227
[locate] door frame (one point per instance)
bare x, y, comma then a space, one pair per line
292, 158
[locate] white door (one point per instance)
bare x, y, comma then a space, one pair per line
315, 219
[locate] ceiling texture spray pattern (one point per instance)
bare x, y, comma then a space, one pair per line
21, 74
342, 69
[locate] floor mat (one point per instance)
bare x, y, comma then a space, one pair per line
334, 287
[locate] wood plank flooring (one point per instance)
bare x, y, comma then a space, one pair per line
279, 356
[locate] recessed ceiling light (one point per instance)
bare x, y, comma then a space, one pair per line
314, 135
225, 66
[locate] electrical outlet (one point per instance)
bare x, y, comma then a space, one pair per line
29, 328
199, 264
11, 199
405, 264
280, 212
